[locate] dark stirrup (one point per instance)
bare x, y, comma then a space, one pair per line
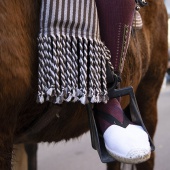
97, 140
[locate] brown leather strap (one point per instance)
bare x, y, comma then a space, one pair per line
48, 115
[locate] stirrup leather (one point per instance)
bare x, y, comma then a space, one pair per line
97, 140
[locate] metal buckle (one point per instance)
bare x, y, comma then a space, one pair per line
97, 140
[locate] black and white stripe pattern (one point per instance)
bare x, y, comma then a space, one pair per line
69, 17
72, 58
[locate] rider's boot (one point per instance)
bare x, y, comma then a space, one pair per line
124, 140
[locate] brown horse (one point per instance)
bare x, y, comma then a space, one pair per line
144, 69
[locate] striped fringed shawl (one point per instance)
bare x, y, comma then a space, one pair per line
72, 58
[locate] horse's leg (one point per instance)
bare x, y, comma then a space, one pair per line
147, 95
25, 157
9, 108
113, 166
147, 98
8, 119
6, 143
31, 150
19, 158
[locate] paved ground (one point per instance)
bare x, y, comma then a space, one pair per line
162, 137
78, 154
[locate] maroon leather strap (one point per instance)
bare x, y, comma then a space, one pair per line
115, 20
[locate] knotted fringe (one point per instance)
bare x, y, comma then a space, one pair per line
72, 69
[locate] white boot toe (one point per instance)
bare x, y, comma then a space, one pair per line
128, 145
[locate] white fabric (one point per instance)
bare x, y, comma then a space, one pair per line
128, 143
72, 57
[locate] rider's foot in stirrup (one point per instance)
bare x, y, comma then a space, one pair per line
124, 141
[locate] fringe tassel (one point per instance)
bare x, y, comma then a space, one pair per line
72, 69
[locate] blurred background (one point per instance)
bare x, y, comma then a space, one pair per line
79, 155
167, 76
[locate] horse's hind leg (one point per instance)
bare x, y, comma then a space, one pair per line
31, 150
